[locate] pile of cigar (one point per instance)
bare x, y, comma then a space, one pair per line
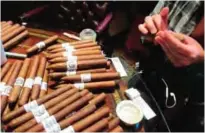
12, 33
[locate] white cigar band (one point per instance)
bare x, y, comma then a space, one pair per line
80, 86
30, 106
40, 45
2, 85
54, 129
73, 72
69, 129
40, 113
49, 122
28, 83
44, 86
19, 81
71, 65
37, 80
65, 44
85, 77
72, 58
69, 48
7, 90
67, 53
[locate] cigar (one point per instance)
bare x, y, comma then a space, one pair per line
113, 124
117, 129
42, 44
35, 92
98, 99
24, 97
97, 127
70, 43
6, 27
15, 40
79, 65
42, 100
9, 84
15, 55
79, 58
12, 34
5, 69
44, 89
74, 53
62, 74
14, 27
5, 24
19, 81
87, 77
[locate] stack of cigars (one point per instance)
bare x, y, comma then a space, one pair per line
76, 68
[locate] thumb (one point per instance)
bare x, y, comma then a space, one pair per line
164, 14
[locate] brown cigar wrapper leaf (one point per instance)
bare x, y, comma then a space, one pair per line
5, 69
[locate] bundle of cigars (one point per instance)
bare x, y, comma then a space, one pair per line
53, 93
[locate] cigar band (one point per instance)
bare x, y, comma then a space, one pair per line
7, 90
71, 73
44, 86
2, 85
80, 86
37, 80
67, 53
65, 44
54, 128
28, 83
19, 81
40, 113
85, 77
49, 122
69, 129
41, 44
71, 65
30, 106
69, 48
75, 58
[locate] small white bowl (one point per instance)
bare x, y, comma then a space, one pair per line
129, 113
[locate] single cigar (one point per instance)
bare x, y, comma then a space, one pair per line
70, 43
6, 23
9, 84
12, 34
24, 97
7, 31
74, 53
15, 40
44, 44
8, 74
113, 124
35, 92
19, 81
79, 58
42, 100
88, 77
117, 129
44, 88
99, 98
85, 64
97, 127
5, 69
6, 27
84, 123
62, 74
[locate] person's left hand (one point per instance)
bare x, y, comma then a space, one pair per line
180, 53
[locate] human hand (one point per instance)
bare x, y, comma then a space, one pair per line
180, 53
155, 23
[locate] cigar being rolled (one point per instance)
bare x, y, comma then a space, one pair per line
42, 44
44, 83
117, 129
5, 69
97, 127
14, 27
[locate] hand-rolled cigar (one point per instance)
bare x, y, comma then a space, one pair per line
6, 23
113, 124
87, 77
42, 44
6, 27
5, 69
44, 85
97, 127
70, 43
8, 74
117, 129
35, 92
99, 98
74, 53
9, 84
78, 65
15, 40
14, 27
19, 82
79, 58
24, 97
12, 34
62, 74
42, 100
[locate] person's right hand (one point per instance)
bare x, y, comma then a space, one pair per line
155, 23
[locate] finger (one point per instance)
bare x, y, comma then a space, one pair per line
157, 21
142, 28
150, 25
164, 13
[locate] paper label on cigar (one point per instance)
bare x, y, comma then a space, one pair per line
49, 122
2, 86
80, 86
37, 81
54, 129
75, 58
65, 44
30, 106
71, 73
44, 86
118, 66
85, 77
40, 113
71, 65
19, 81
68, 53
69, 48
7, 90
28, 83
40, 45
69, 129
